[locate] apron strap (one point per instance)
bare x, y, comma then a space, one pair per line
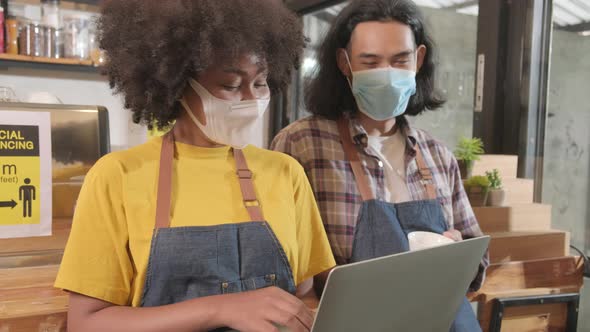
164, 195
164, 199
247, 186
362, 181
425, 174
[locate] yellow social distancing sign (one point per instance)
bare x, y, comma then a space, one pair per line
25, 174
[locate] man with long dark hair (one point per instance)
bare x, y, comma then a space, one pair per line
376, 178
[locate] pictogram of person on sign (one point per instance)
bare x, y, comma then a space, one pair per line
27, 194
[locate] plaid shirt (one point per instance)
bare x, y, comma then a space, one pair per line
315, 143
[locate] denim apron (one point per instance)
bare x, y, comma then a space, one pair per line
192, 262
382, 228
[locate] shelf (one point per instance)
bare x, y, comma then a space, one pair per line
11, 60
86, 2
26, 58
92, 6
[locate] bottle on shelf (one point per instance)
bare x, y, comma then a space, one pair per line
2, 49
11, 35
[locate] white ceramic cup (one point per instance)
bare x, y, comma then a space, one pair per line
425, 240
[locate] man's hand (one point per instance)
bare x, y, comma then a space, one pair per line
454, 235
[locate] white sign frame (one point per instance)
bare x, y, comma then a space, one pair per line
43, 121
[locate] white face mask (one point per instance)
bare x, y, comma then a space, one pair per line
236, 124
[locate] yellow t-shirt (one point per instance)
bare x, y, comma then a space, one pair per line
107, 253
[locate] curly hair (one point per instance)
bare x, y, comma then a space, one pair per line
154, 47
329, 95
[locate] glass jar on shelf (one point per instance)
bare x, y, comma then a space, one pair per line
32, 39
38, 39
76, 37
12, 29
24, 37
58, 41
97, 55
54, 44
50, 13
93, 43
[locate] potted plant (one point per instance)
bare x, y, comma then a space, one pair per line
497, 194
477, 188
467, 153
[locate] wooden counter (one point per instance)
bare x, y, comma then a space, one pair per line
28, 301
57, 241
28, 267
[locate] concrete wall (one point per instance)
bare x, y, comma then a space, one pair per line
567, 143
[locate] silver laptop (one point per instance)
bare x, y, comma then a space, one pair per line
415, 291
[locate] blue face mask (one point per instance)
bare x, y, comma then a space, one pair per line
383, 93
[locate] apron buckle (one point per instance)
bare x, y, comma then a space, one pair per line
253, 202
244, 173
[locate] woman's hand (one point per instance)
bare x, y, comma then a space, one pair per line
263, 310
255, 311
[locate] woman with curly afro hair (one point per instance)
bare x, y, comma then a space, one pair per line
196, 230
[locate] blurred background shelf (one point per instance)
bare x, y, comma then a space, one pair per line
30, 62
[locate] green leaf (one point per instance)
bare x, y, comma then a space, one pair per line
469, 149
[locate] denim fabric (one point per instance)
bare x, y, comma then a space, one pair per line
192, 262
